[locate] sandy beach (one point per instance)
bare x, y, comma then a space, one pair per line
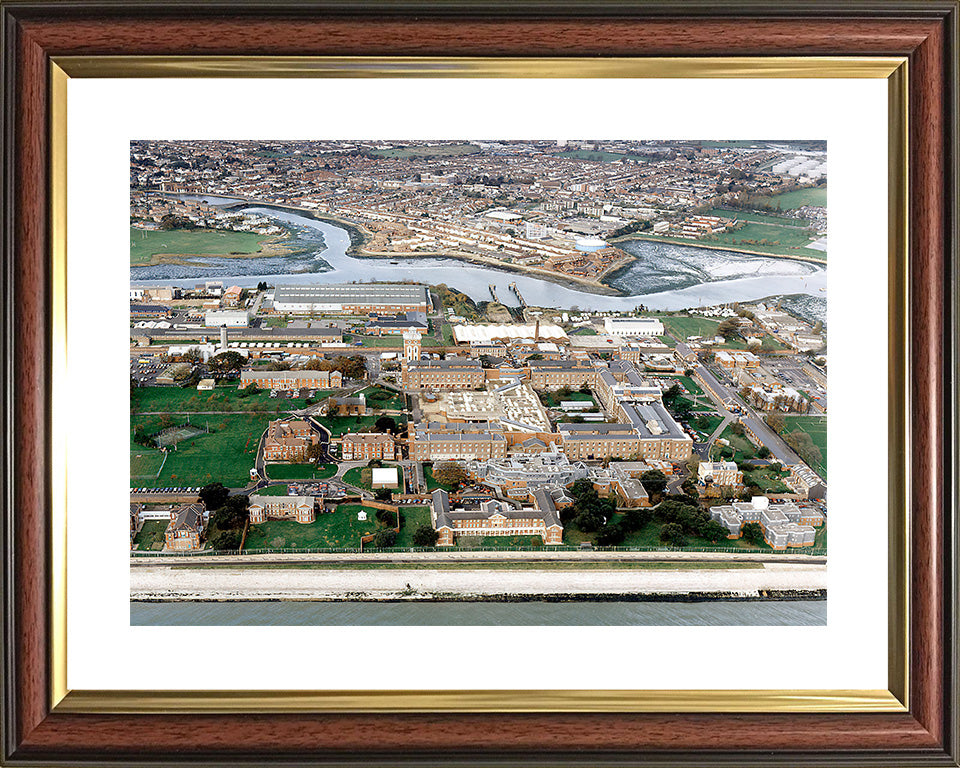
185, 583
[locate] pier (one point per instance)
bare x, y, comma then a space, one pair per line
516, 292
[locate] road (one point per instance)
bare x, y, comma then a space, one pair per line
725, 396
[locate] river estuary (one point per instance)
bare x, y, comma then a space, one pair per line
715, 613
664, 276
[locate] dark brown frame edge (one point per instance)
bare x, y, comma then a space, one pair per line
926, 32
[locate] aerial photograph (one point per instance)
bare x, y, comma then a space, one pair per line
478, 382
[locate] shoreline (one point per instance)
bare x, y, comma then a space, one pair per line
699, 244
597, 597
168, 584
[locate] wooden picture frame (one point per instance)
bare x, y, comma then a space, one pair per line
40, 727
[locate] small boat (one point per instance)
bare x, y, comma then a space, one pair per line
394, 262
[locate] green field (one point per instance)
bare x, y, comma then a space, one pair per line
150, 535
599, 155
331, 529
443, 150
685, 381
753, 238
300, 471
225, 455
383, 399
552, 398
144, 464
413, 518
340, 425
361, 477
682, 327
705, 423
742, 447
223, 399
797, 198
816, 427
432, 484
759, 218
146, 243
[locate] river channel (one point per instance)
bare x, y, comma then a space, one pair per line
664, 276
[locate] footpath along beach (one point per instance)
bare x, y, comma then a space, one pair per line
171, 583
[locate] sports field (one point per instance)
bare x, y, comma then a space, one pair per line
300, 471
759, 218
146, 243
816, 427
798, 198
444, 150
144, 465
225, 455
683, 327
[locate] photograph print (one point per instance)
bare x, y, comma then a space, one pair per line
465, 382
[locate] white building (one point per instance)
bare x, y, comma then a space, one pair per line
233, 318
633, 326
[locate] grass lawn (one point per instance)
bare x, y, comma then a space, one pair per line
682, 327
443, 150
145, 463
432, 484
798, 198
300, 471
332, 529
691, 385
340, 425
585, 330
742, 447
362, 477
384, 399
145, 243
816, 427
224, 398
552, 398
758, 218
447, 330
273, 490
225, 455
498, 542
600, 156
380, 341
150, 535
705, 422
413, 518
766, 480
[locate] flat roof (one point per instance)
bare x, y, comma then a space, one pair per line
352, 293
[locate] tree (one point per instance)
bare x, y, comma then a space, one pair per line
776, 422
213, 495
314, 452
385, 424
653, 481
386, 517
225, 540
729, 329
233, 513
425, 536
610, 535
634, 519
672, 534
385, 537
450, 474
226, 361
589, 522
671, 395
763, 452
383, 494
714, 532
753, 533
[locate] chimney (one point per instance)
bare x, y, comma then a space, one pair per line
536, 331
223, 338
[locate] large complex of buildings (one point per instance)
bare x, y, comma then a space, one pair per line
783, 525
430, 441
298, 508
288, 440
292, 379
364, 446
496, 518
351, 299
443, 374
